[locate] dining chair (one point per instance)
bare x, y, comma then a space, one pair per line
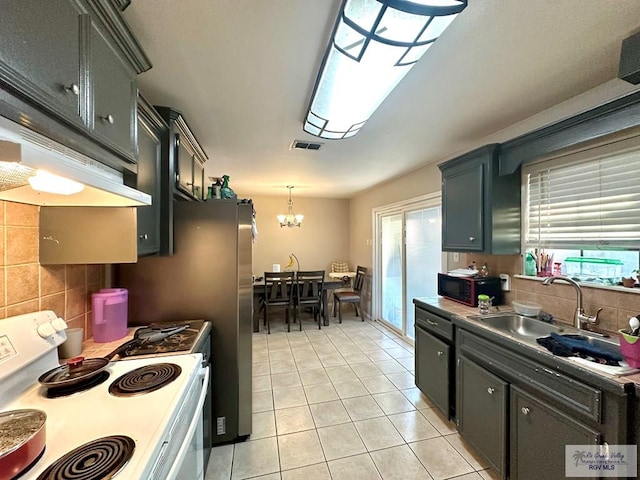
278, 292
309, 292
350, 296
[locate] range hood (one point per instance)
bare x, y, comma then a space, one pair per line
24, 152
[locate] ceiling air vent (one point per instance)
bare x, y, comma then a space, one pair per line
303, 145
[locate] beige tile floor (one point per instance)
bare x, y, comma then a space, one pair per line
341, 403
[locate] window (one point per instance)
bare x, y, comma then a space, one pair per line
582, 212
605, 267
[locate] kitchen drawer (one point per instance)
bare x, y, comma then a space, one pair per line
434, 323
565, 390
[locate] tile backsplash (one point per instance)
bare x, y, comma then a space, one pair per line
27, 286
617, 303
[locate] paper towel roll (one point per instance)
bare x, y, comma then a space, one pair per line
275, 267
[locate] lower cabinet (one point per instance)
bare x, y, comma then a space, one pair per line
433, 364
539, 434
483, 401
519, 434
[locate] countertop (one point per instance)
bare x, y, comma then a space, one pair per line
452, 310
92, 349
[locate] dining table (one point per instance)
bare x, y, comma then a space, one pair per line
258, 293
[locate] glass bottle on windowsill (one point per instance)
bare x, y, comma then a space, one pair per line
530, 265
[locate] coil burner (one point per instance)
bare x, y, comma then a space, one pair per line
99, 459
144, 379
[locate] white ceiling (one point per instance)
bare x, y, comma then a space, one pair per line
242, 72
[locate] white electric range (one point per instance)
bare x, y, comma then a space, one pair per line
156, 434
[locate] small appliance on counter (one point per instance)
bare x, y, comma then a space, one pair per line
109, 314
465, 289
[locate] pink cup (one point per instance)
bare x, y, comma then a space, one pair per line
630, 348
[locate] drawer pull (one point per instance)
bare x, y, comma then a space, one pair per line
431, 322
73, 88
525, 410
472, 239
546, 370
440, 353
144, 237
108, 119
490, 390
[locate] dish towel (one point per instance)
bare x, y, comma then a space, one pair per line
577, 346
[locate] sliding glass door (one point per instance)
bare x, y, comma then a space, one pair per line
391, 269
423, 258
408, 258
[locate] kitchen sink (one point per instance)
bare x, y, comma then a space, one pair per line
529, 329
525, 328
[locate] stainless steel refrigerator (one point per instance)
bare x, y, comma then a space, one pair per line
208, 277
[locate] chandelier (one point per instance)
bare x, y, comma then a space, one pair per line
290, 220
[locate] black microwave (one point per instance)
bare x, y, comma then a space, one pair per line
466, 289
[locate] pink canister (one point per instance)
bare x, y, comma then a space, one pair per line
109, 314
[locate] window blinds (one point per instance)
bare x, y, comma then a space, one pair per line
586, 200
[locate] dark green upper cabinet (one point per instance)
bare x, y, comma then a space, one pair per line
68, 71
181, 172
480, 209
185, 157
151, 130
114, 95
40, 54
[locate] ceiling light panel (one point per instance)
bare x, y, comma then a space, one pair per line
374, 44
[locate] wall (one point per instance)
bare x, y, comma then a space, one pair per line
26, 286
617, 303
323, 237
556, 298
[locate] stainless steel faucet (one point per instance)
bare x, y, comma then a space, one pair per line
580, 318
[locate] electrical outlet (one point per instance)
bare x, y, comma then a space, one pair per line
456, 257
221, 427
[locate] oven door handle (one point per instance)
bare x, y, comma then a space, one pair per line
177, 464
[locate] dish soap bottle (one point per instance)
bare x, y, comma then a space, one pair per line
530, 265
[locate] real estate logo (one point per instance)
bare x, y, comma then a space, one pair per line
601, 461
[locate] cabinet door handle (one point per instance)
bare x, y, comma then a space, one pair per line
108, 119
72, 88
431, 322
440, 353
525, 410
144, 237
472, 239
490, 390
